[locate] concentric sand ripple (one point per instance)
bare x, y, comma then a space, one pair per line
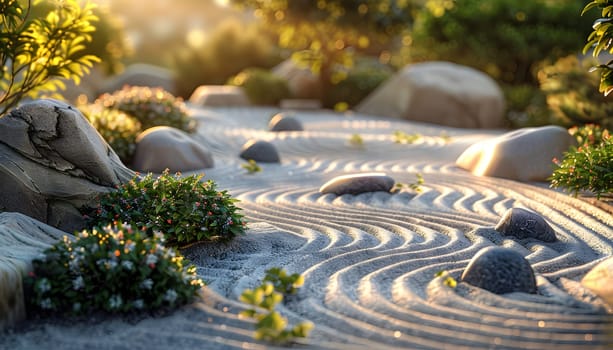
370, 260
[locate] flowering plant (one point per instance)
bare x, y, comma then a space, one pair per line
185, 209
150, 106
114, 269
117, 128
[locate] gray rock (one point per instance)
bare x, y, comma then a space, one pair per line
358, 183
21, 240
500, 270
600, 280
163, 147
260, 151
284, 122
219, 96
523, 223
141, 74
524, 155
442, 93
52, 161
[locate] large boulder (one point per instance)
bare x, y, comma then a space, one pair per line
441, 93
52, 161
164, 147
141, 74
219, 96
524, 155
600, 280
21, 240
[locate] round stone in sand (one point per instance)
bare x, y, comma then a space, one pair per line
163, 147
600, 280
284, 122
523, 223
500, 270
260, 151
358, 183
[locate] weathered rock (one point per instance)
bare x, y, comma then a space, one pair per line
442, 93
141, 74
163, 147
260, 151
600, 280
303, 84
358, 183
523, 223
284, 122
525, 154
500, 270
219, 96
52, 161
21, 240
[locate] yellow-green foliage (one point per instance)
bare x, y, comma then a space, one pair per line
36, 52
572, 93
261, 86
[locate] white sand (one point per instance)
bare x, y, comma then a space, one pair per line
369, 260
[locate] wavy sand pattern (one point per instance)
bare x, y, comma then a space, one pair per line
369, 260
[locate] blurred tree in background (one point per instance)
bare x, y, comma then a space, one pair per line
37, 52
325, 35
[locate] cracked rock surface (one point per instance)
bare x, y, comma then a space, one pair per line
52, 161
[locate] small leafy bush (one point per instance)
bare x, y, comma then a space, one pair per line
354, 84
117, 128
116, 269
185, 209
150, 106
572, 93
252, 167
588, 167
271, 326
261, 86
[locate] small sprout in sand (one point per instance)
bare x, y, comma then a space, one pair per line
415, 186
252, 167
445, 136
356, 141
270, 325
404, 138
447, 279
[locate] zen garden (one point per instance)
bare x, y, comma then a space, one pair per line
307, 174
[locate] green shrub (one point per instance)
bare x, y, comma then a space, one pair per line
600, 39
116, 269
150, 106
261, 86
231, 48
526, 106
355, 84
117, 128
572, 93
588, 167
504, 38
37, 52
589, 134
185, 209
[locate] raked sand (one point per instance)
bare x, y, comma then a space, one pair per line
369, 260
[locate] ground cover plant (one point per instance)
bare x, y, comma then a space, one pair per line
270, 325
184, 209
116, 269
36, 53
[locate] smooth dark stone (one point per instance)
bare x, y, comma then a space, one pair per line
522, 223
358, 183
260, 151
500, 270
284, 122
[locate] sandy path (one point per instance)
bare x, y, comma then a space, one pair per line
369, 260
